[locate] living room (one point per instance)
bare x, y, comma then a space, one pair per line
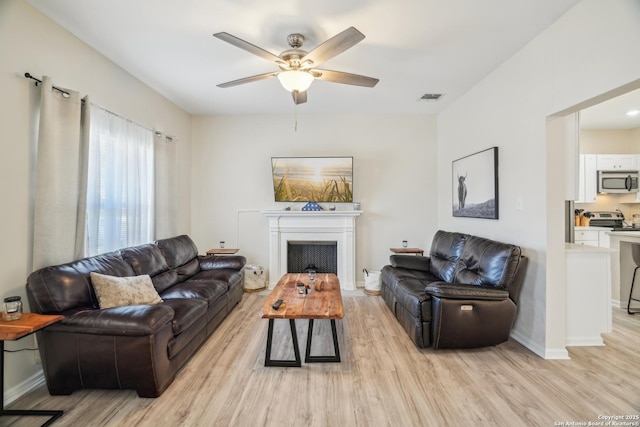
402, 163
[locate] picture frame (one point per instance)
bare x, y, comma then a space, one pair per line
312, 179
475, 185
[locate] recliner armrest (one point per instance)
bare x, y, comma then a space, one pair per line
456, 291
410, 262
215, 262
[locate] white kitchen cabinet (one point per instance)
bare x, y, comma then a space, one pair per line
587, 238
587, 179
621, 162
592, 236
603, 239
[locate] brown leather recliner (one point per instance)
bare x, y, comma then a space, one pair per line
463, 295
138, 347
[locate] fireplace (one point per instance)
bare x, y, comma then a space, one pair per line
322, 257
291, 228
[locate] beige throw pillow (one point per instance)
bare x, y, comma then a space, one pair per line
115, 291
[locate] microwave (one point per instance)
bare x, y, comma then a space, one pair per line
617, 181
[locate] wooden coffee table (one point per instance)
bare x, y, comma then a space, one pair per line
325, 305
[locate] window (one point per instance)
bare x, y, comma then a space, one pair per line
120, 183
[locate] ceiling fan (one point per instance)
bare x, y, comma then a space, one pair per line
297, 66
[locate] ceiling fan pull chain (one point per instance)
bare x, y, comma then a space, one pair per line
295, 127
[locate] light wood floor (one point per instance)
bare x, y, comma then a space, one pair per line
383, 380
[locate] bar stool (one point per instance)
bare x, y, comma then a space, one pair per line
635, 254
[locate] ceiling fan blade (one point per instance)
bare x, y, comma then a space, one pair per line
299, 97
251, 48
248, 79
334, 46
344, 78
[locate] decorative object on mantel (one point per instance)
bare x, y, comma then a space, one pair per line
311, 206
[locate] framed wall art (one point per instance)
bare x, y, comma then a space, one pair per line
313, 179
475, 185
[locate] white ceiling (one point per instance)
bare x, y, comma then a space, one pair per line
413, 46
612, 114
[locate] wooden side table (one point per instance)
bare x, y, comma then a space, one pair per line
16, 329
222, 251
416, 251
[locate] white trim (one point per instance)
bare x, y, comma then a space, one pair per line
334, 226
27, 386
545, 353
585, 342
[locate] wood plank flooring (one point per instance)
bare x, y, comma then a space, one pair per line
383, 380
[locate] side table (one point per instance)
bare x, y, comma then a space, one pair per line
16, 329
222, 251
416, 251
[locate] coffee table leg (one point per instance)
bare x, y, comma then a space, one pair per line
268, 361
308, 358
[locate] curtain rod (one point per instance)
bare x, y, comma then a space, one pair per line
65, 94
38, 81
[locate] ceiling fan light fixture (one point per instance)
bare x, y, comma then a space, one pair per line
295, 80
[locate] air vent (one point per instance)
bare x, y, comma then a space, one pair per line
431, 96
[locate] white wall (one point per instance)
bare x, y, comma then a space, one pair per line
30, 42
394, 177
589, 51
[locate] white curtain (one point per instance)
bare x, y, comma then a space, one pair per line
57, 176
166, 182
120, 187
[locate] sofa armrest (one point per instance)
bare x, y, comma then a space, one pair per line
130, 320
214, 262
410, 262
456, 291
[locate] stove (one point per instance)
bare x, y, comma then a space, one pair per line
613, 220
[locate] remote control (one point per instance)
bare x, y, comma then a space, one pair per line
276, 305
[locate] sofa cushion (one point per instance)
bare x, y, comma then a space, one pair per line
187, 270
487, 262
206, 290
177, 250
410, 262
232, 262
165, 280
145, 259
446, 249
231, 277
187, 311
65, 287
411, 296
114, 291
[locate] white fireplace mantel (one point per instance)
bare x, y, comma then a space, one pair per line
312, 226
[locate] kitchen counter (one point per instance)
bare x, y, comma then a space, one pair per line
622, 265
573, 247
580, 227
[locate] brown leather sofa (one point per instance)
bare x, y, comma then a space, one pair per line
463, 295
138, 347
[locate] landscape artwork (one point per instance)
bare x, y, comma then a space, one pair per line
313, 179
475, 185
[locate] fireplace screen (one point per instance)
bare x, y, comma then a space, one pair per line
319, 256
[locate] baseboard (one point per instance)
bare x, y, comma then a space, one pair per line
26, 386
545, 353
585, 342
